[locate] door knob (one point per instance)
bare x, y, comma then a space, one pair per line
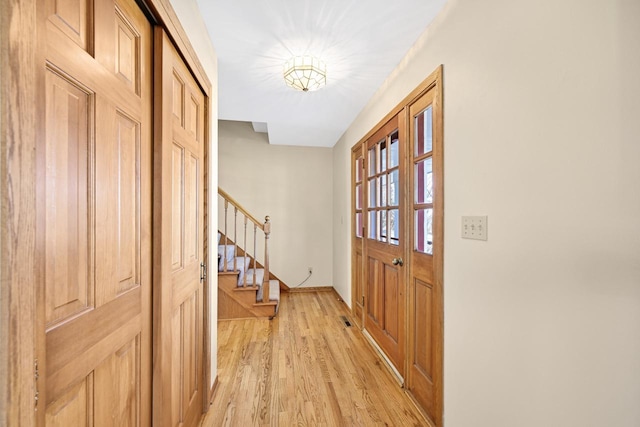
397, 261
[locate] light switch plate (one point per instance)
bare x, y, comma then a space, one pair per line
474, 227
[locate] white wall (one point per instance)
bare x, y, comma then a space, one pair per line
542, 134
191, 19
292, 185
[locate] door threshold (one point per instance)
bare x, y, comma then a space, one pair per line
394, 372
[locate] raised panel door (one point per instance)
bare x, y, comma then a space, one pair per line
94, 216
180, 186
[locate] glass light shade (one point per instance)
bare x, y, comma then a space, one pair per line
305, 73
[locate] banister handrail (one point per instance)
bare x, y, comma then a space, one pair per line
237, 205
266, 230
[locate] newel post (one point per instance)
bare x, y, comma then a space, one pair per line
265, 281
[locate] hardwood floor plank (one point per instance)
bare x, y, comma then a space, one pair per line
304, 368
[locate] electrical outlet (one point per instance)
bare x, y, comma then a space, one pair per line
474, 227
310, 270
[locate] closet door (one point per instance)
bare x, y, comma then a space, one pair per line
179, 225
93, 213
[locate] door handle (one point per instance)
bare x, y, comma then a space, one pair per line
397, 261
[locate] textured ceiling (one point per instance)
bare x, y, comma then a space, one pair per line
361, 41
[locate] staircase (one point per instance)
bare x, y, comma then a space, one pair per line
246, 288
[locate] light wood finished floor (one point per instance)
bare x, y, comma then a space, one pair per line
305, 368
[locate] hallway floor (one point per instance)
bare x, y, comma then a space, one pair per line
305, 368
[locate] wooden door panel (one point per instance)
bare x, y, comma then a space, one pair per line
422, 328
177, 403
71, 17
177, 100
73, 407
359, 292
392, 299
189, 331
373, 307
69, 286
127, 153
422, 349
191, 200
177, 213
127, 63
117, 385
94, 215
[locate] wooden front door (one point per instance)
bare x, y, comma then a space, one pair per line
425, 351
384, 291
179, 225
94, 188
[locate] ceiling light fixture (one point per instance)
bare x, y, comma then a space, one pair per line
305, 73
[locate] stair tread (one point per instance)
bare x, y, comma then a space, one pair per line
228, 272
264, 304
246, 288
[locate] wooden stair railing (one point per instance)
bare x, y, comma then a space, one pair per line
265, 228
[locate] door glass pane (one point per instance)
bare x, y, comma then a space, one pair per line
359, 224
424, 231
394, 188
393, 154
359, 161
383, 156
373, 225
372, 192
372, 161
394, 227
424, 131
383, 226
383, 190
359, 196
424, 181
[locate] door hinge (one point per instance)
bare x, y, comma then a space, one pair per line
36, 375
203, 271
362, 299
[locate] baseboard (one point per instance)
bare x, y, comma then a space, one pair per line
312, 289
342, 301
213, 389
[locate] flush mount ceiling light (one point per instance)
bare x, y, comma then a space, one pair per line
305, 73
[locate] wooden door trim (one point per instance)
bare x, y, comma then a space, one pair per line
357, 243
20, 83
422, 88
166, 16
162, 291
